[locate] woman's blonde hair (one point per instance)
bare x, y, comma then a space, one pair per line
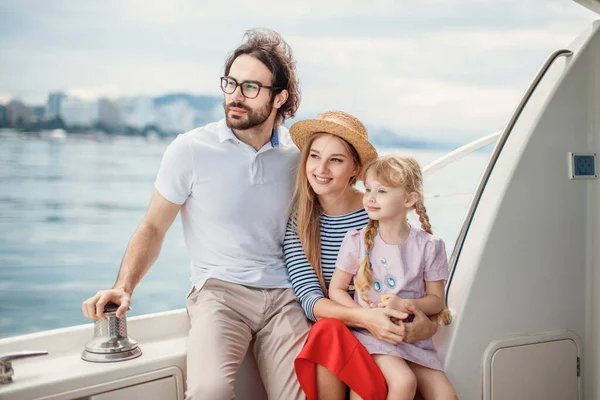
393, 171
307, 210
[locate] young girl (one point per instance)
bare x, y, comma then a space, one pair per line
393, 264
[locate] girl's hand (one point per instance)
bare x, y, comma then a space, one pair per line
378, 321
395, 302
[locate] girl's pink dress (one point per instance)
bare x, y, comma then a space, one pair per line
401, 270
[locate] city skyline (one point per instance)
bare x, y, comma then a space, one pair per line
169, 114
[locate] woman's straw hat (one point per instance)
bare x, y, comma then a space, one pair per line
340, 124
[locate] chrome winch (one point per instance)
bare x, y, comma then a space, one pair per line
110, 342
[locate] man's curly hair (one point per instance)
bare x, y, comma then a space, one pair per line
268, 47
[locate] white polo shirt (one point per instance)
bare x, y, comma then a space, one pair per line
236, 203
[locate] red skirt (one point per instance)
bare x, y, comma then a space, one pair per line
331, 344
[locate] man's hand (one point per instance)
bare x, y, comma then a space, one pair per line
378, 321
94, 306
421, 327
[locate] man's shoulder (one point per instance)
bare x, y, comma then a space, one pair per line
197, 137
285, 138
207, 132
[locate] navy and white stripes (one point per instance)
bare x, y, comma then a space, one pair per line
303, 277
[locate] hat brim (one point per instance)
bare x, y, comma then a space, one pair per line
301, 131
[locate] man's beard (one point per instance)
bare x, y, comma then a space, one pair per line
252, 117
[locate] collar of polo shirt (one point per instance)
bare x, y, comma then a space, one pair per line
226, 133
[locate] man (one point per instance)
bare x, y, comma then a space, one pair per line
233, 182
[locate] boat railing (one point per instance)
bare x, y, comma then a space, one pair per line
460, 153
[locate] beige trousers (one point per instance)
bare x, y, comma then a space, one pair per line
225, 317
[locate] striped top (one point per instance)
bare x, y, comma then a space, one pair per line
303, 276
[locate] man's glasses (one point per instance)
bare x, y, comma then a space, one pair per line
250, 89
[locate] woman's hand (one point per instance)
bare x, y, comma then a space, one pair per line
378, 321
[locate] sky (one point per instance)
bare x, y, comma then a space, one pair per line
440, 69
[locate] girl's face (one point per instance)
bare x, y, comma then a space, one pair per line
385, 202
329, 166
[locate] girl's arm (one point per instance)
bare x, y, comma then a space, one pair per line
338, 289
433, 302
435, 273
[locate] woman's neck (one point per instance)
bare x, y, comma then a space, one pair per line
340, 204
394, 231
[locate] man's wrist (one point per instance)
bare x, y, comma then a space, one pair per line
124, 287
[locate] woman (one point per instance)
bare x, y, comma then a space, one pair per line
334, 148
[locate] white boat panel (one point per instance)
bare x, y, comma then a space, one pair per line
522, 372
164, 388
530, 263
517, 367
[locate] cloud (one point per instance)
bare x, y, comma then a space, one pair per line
428, 68
5, 97
93, 92
464, 83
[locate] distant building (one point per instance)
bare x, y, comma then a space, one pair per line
109, 115
53, 106
77, 112
39, 112
138, 112
167, 114
175, 117
3, 116
17, 113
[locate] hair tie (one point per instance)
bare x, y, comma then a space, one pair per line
367, 252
